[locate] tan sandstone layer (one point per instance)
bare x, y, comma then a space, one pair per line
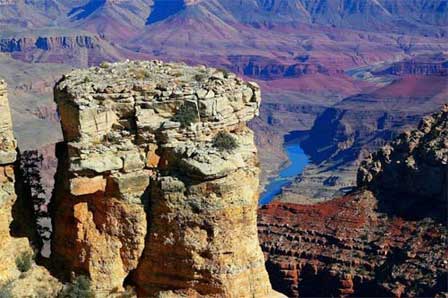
146, 193
11, 245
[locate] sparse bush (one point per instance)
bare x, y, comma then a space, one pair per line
104, 64
186, 115
225, 141
178, 74
5, 290
141, 74
24, 261
86, 80
200, 77
80, 287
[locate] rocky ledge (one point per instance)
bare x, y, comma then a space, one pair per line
364, 244
157, 181
10, 247
18, 278
415, 166
352, 249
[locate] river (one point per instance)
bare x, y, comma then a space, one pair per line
297, 162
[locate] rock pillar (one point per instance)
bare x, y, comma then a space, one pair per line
157, 182
11, 242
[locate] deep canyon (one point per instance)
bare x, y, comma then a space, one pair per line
339, 82
161, 152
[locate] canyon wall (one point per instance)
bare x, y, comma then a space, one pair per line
352, 249
342, 135
386, 239
157, 181
12, 244
64, 46
414, 165
46, 43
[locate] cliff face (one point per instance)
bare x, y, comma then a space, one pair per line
157, 180
352, 249
415, 165
435, 64
264, 68
384, 240
11, 245
46, 43
66, 46
344, 134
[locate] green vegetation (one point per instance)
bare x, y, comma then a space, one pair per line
225, 141
80, 287
200, 77
104, 64
24, 261
186, 115
178, 74
141, 74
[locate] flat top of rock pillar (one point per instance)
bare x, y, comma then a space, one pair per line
172, 79
148, 97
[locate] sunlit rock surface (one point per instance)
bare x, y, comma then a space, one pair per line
146, 193
10, 246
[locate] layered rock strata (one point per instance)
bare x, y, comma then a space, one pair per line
387, 239
353, 250
415, 166
157, 181
63, 46
11, 245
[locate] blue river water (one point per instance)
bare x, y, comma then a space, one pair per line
297, 162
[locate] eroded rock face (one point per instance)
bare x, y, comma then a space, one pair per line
11, 245
143, 186
364, 244
346, 245
414, 165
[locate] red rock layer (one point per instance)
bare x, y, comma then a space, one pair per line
344, 248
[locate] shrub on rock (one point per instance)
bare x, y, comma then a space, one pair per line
186, 115
225, 141
80, 287
24, 261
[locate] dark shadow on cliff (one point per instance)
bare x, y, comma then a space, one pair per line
82, 12
412, 207
163, 9
56, 266
296, 136
145, 199
23, 223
